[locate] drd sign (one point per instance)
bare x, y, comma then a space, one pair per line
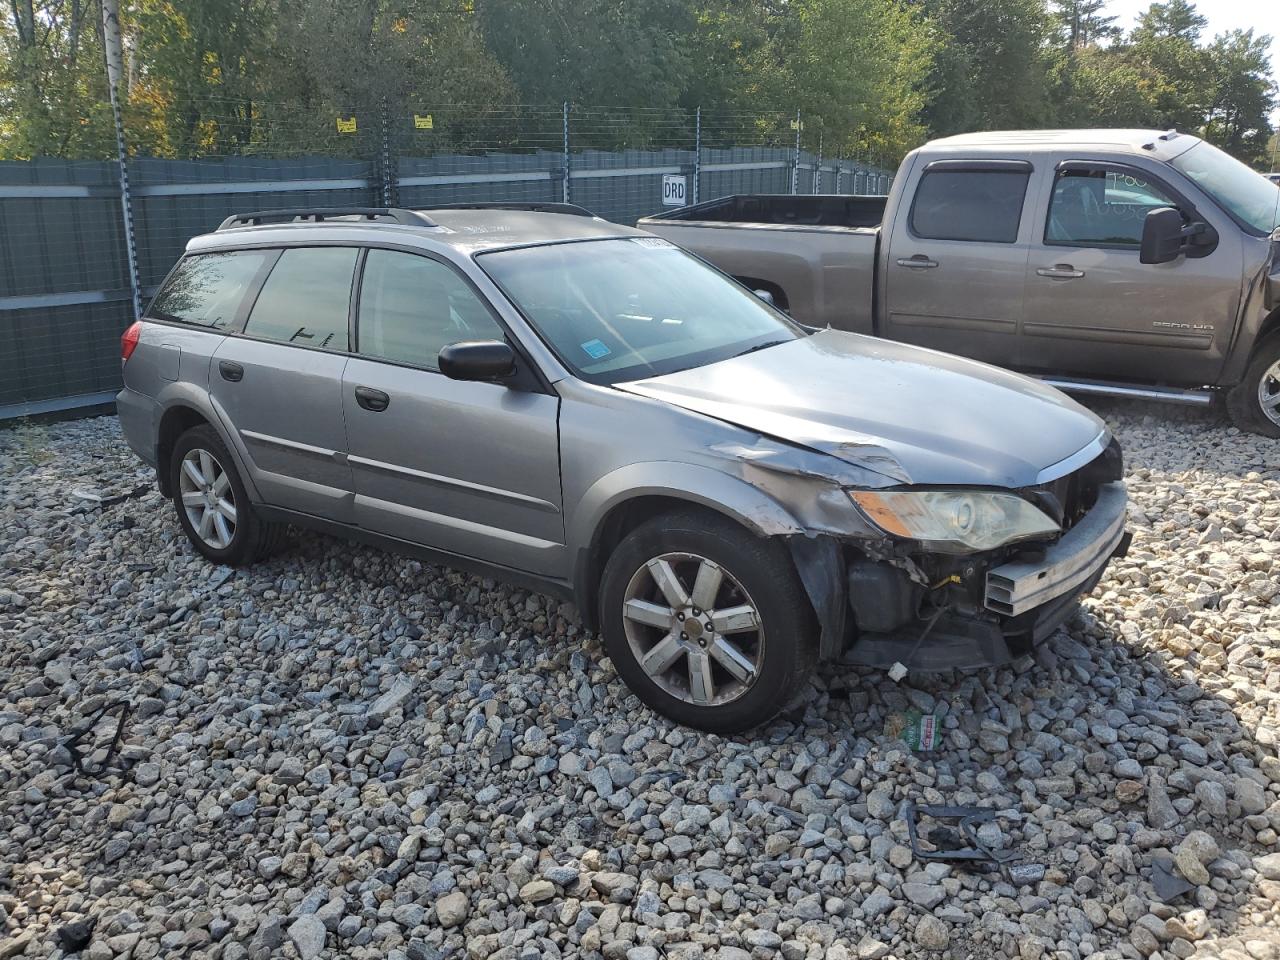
673, 190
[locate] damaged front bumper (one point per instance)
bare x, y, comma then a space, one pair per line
993, 614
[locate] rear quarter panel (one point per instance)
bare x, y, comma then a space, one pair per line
827, 274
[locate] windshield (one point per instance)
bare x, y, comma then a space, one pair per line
1244, 193
633, 307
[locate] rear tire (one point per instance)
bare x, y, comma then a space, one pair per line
678, 600
212, 504
1254, 405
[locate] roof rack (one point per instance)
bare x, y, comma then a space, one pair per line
569, 209
408, 218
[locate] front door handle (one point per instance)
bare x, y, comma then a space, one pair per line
1060, 271
230, 370
917, 262
371, 399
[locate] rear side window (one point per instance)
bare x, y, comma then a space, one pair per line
207, 289
983, 206
411, 307
306, 299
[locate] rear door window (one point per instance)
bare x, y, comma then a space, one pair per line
306, 300
207, 289
983, 206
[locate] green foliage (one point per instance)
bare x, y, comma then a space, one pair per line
871, 77
990, 73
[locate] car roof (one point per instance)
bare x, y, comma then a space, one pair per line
466, 231
1163, 144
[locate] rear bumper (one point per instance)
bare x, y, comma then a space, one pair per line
138, 421
1026, 601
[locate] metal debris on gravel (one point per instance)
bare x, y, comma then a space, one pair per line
344, 753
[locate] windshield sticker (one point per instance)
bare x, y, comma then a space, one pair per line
595, 349
657, 242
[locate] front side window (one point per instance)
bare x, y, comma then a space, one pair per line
207, 289
624, 309
411, 307
1102, 207
306, 299
980, 206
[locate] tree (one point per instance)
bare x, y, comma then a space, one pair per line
1242, 95
1082, 23
991, 69
52, 90
623, 54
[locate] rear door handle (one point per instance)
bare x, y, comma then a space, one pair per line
1060, 271
917, 262
371, 399
231, 370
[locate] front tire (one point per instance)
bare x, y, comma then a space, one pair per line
212, 504
706, 623
1254, 405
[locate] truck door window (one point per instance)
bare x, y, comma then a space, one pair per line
1102, 207
976, 205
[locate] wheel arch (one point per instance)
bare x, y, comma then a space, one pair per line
622, 500
183, 410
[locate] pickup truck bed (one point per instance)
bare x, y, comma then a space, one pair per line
830, 273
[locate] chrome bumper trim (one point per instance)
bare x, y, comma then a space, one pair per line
1014, 588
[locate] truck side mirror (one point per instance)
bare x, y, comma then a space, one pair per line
1165, 237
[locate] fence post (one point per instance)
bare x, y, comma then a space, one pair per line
697, 152
817, 167
565, 185
384, 158
795, 162
113, 55
839, 172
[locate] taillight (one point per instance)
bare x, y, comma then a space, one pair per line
129, 340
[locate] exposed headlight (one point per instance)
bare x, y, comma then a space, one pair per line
955, 522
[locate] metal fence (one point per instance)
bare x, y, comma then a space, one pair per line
66, 288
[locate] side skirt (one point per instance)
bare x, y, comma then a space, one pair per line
560, 589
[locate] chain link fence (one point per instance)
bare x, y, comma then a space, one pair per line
67, 290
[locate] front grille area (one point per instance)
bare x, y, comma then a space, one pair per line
1070, 497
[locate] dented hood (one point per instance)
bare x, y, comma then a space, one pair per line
910, 414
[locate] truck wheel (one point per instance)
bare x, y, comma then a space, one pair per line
1254, 405
707, 624
212, 504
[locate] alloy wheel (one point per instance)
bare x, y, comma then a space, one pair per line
693, 628
208, 498
1269, 393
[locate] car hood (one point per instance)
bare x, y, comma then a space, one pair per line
910, 414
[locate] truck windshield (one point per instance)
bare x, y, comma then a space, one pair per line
633, 307
1244, 193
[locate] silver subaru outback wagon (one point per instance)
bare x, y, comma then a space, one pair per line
592, 412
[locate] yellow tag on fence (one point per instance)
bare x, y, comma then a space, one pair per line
422, 122
346, 124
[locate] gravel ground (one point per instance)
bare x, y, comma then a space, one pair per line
345, 753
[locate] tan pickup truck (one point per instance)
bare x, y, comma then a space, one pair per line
1123, 262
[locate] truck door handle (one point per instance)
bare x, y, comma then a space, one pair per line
371, 399
230, 370
1060, 271
917, 262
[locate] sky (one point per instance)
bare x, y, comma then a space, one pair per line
1222, 15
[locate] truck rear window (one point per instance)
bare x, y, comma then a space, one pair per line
982, 206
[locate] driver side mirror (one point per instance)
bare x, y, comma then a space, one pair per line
1165, 237
478, 360
765, 295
